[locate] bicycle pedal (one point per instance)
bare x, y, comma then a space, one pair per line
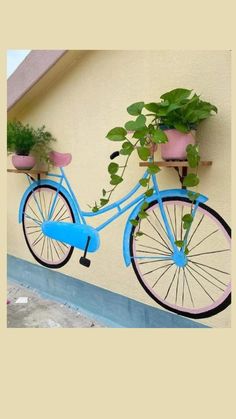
85, 262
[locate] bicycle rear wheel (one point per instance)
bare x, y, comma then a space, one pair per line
48, 252
200, 289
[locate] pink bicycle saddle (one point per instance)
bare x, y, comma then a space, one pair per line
60, 159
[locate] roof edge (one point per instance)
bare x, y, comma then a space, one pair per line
36, 64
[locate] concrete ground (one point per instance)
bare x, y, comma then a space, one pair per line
40, 312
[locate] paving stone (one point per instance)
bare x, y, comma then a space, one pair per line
41, 312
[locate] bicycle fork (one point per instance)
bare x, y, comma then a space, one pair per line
179, 256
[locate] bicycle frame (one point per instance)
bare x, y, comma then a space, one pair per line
116, 205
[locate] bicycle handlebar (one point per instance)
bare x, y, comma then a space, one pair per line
114, 155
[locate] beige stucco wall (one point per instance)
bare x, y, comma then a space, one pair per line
90, 98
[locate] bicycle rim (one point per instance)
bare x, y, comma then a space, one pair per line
200, 289
48, 252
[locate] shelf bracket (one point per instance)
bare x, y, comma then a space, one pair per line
181, 174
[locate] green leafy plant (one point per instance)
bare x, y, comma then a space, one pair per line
180, 109
24, 139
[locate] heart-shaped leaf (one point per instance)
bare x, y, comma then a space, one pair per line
115, 180
136, 125
191, 180
144, 182
153, 168
143, 153
113, 168
135, 108
159, 137
116, 134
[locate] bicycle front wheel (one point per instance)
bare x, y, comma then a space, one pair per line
200, 289
48, 252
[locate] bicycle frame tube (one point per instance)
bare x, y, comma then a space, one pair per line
116, 205
193, 212
163, 214
63, 177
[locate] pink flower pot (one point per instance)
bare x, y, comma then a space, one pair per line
175, 149
23, 162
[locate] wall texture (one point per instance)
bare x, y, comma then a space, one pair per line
89, 98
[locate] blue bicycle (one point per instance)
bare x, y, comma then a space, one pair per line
195, 285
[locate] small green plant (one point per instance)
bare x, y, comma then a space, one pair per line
24, 139
180, 109
20, 138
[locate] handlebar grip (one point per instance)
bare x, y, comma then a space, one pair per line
114, 155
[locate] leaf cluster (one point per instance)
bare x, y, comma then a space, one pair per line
24, 139
180, 109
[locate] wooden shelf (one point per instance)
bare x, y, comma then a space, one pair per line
180, 166
30, 172
163, 163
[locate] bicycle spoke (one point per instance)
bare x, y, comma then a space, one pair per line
59, 219
210, 267
58, 212
152, 257
177, 287
184, 276
39, 238
209, 253
199, 223
181, 224
44, 212
50, 246
200, 284
156, 269
55, 249
35, 214
175, 222
33, 219
155, 248
146, 251
49, 206
186, 280
47, 250
55, 205
152, 261
206, 279
65, 218
39, 206
209, 235
59, 245
161, 225
39, 199
44, 239
64, 244
37, 226
172, 281
166, 244
170, 221
153, 238
162, 275
35, 231
208, 273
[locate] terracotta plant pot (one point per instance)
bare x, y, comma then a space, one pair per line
23, 162
175, 149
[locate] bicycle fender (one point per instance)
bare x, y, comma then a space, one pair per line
47, 182
165, 193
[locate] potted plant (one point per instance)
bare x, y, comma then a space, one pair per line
178, 114
26, 144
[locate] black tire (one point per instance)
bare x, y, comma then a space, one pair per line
207, 313
37, 258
